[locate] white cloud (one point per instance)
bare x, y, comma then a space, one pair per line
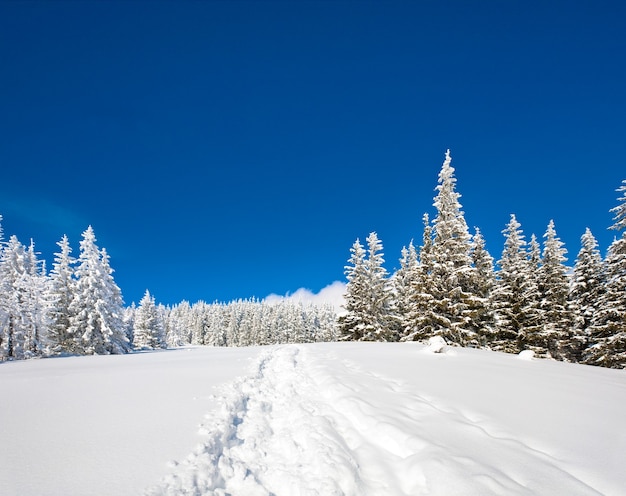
332, 294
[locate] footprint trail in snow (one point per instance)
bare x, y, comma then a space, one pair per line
310, 424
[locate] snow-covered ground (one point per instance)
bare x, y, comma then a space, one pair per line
322, 419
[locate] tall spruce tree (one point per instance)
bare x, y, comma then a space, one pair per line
587, 287
12, 299
97, 307
455, 303
61, 292
511, 291
556, 332
608, 330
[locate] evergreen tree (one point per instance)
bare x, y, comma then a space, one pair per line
513, 287
483, 283
12, 331
368, 295
148, 329
586, 290
608, 329
33, 286
380, 326
455, 305
405, 284
353, 322
554, 289
96, 310
60, 296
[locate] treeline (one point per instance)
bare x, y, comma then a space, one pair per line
527, 300
238, 323
78, 309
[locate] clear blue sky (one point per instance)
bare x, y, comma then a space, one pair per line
226, 150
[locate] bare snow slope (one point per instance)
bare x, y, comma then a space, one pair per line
325, 419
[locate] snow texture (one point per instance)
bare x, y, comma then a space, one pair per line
321, 419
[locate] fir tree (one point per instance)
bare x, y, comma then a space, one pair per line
455, 305
12, 331
60, 295
608, 329
554, 289
512, 292
148, 329
586, 291
483, 283
97, 307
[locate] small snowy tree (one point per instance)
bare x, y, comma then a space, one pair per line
148, 328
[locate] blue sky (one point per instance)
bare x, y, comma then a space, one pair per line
225, 150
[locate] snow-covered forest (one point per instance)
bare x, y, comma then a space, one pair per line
450, 286
527, 300
78, 309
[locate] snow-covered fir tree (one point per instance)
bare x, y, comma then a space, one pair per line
511, 292
61, 290
586, 290
455, 303
97, 308
608, 330
368, 295
353, 322
483, 282
556, 332
148, 326
12, 330
33, 286
404, 288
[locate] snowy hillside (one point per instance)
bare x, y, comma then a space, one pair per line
320, 419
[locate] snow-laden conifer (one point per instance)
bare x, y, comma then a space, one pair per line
587, 286
61, 291
556, 333
12, 331
455, 304
483, 282
97, 307
148, 328
608, 330
512, 291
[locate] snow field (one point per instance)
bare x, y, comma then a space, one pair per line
367, 419
312, 423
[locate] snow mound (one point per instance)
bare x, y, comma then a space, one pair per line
526, 355
436, 344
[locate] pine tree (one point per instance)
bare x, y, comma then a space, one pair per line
483, 283
455, 305
554, 289
368, 295
586, 291
33, 286
97, 307
608, 329
12, 299
405, 284
148, 331
353, 322
513, 293
60, 295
